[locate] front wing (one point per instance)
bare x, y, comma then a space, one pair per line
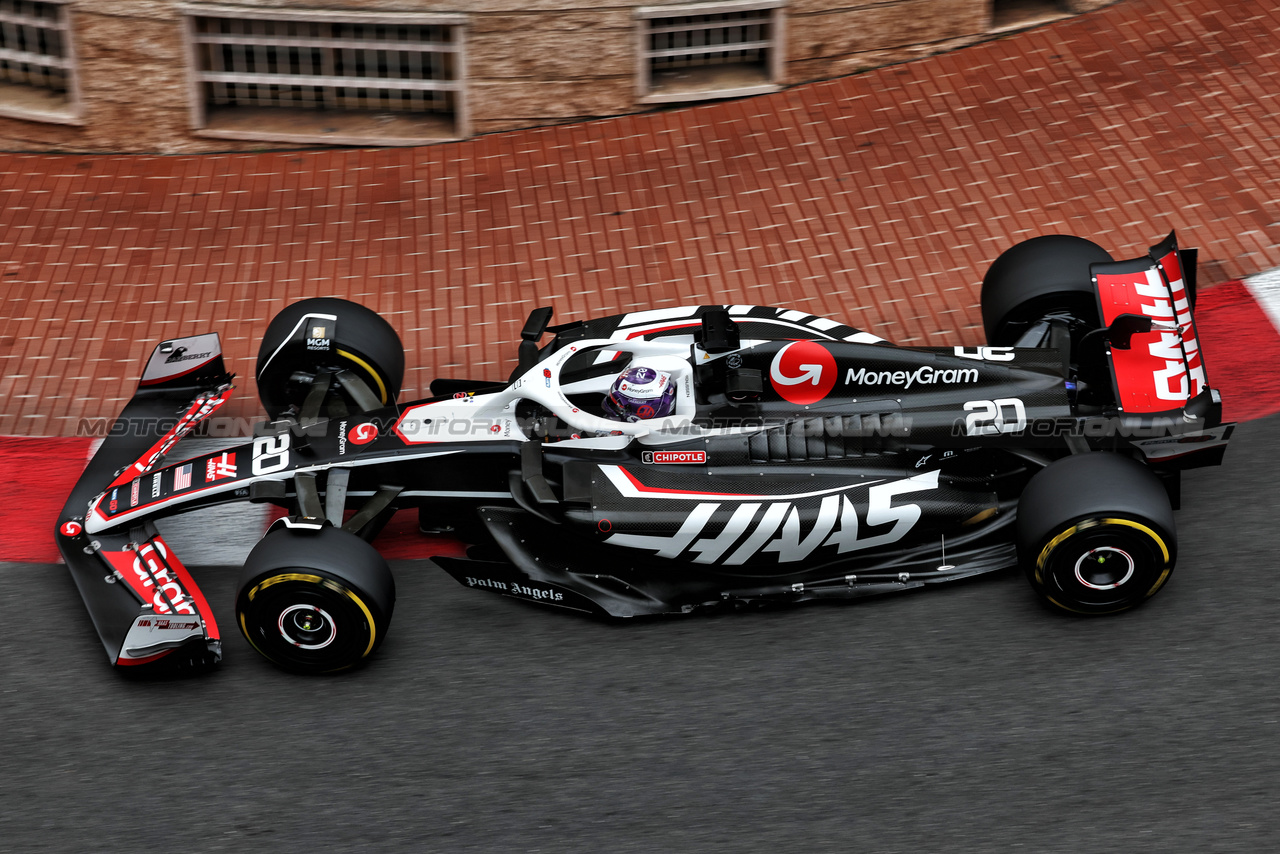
143, 602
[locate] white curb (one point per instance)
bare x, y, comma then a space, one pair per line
1265, 289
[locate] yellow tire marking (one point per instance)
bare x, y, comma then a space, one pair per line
1164, 576
382, 388
244, 630
1052, 544
323, 582
1150, 533
1091, 523
288, 576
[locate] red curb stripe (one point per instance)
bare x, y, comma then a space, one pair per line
1240, 346
43, 473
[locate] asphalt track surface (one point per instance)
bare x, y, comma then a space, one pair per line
958, 719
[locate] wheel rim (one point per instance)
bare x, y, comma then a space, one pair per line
1103, 565
307, 622
307, 626
1104, 568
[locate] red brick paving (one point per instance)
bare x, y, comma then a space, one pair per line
879, 199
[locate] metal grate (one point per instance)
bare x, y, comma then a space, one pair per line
33, 45
1015, 14
316, 64
699, 40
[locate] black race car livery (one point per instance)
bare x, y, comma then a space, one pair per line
804, 460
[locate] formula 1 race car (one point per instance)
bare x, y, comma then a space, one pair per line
670, 461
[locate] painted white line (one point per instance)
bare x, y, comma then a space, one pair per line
1265, 288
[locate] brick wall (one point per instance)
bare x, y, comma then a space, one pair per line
529, 62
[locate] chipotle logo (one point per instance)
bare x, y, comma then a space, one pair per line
668, 457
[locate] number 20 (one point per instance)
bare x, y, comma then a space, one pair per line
270, 454
987, 417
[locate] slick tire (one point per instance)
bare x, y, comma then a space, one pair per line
1038, 277
364, 343
1095, 533
315, 602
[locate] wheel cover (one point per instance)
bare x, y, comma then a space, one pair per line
306, 622
307, 626
1102, 565
1093, 571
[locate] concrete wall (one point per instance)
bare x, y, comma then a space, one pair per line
529, 62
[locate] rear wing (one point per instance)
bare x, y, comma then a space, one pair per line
142, 600
1161, 369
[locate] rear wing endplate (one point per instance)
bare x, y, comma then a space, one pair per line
1162, 368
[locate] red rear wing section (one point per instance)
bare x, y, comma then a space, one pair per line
1162, 369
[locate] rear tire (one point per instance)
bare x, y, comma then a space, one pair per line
1095, 533
315, 601
1040, 276
364, 343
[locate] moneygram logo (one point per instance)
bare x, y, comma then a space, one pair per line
363, 434
924, 375
803, 372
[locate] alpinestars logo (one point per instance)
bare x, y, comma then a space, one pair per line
217, 468
803, 372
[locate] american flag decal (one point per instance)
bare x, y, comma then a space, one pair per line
182, 477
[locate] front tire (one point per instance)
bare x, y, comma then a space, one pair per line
363, 343
1095, 534
315, 601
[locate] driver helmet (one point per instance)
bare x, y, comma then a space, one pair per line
640, 393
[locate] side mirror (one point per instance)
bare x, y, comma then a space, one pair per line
527, 352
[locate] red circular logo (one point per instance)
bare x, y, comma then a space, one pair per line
363, 434
71, 528
803, 372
